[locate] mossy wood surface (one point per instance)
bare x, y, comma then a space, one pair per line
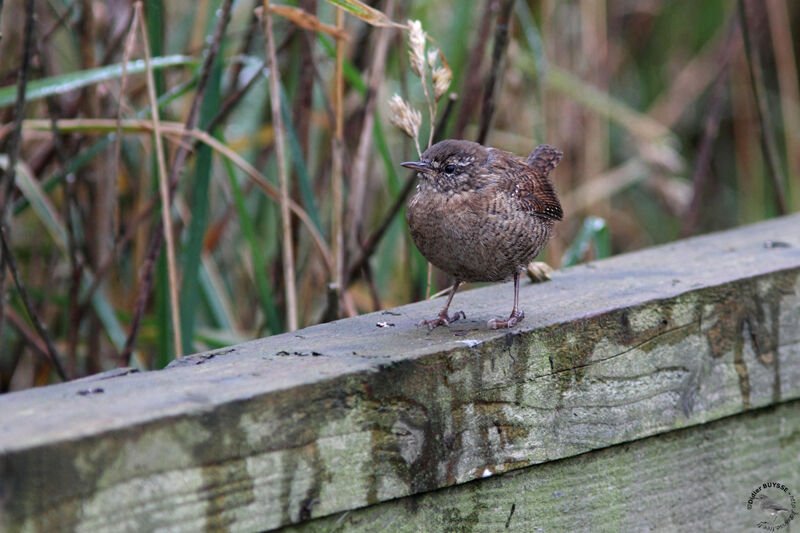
348, 414
694, 479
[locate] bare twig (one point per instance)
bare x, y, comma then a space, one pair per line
702, 169
163, 187
471, 80
126, 54
34, 316
371, 242
60, 21
145, 284
283, 174
27, 334
358, 180
493, 81
116, 40
748, 10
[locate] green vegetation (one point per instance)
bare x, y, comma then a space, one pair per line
652, 103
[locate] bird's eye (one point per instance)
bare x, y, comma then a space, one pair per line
450, 169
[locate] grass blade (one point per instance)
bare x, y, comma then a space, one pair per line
303, 177
259, 261
75, 80
193, 248
49, 217
593, 232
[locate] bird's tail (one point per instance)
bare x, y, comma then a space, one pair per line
545, 158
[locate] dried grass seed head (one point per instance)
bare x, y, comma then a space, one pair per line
416, 47
404, 116
433, 55
442, 76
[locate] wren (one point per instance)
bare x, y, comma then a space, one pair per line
482, 214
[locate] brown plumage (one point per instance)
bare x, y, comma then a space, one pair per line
482, 214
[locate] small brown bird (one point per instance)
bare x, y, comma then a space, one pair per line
482, 214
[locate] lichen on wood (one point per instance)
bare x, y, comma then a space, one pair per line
348, 414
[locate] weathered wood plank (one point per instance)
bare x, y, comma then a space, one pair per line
347, 414
694, 479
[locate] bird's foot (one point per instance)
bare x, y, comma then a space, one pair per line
442, 320
515, 318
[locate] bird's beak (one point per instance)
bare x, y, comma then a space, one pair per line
419, 166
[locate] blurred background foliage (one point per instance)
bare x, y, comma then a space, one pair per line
665, 130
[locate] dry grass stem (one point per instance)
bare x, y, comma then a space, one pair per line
749, 10
337, 171
173, 130
283, 174
358, 179
163, 189
783, 48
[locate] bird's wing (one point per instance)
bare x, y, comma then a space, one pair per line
534, 190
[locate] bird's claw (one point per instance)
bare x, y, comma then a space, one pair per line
512, 321
442, 320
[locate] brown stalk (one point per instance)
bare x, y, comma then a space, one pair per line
358, 180
471, 83
702, 169
786, 68
283, 174
371, 242
27, 334
747, 11
337, 215
117, 38
163, 188
501, 32
128, 50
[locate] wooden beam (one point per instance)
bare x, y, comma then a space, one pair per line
347, 414
695, 479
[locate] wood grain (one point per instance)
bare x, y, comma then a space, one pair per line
349, 414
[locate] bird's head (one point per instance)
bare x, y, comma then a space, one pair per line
450, 166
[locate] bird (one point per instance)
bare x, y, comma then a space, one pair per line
770, 507
482, 214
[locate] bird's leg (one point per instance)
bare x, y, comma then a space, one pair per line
443, 319
516, 314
